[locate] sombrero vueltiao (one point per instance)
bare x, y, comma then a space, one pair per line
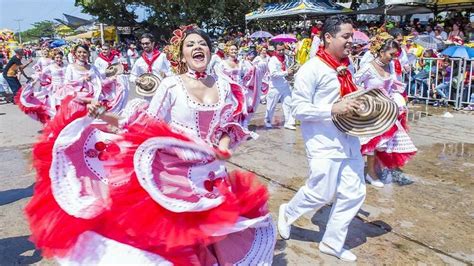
148, 85
377, 115
114, 70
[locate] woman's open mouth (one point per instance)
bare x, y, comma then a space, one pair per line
199, 56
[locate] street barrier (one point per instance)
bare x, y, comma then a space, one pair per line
427, 80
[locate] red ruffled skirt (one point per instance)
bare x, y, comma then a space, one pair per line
134, 218
36, 109
396, 156
52, 229
138, 220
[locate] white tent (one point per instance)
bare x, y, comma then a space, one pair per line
297, 9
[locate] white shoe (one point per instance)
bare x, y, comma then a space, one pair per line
283, 227
374, 182
345, 255
268, 124
290, 127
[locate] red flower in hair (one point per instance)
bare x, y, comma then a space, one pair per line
188, 27
178, 33
174, 63
172, 50
175, 40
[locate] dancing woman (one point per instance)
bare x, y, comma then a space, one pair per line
262, 74
55, 73
40, 104
231, 66
82, 79
394, 148
44, 61
165, 196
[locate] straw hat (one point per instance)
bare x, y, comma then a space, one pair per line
377, 115
114, 70
148, 85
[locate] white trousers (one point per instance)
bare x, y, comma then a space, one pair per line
273, 97
341, 180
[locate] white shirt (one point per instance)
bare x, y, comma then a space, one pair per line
277, 75
102, 65
132, 54
316, 89
161, 66
366, 59
314, 46
259, 59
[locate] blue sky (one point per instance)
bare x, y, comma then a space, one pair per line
32, 11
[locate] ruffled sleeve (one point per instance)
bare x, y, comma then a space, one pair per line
68, 76
132, 112
362, 76
229, 118
398, 86
163, 100
45, 75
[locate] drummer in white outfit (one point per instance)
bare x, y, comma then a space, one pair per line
335, 162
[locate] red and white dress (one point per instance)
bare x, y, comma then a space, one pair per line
82, 83
395, 147
235, 73
40, 65
56, 75
36, 98
249, 77
154, 194
88, 84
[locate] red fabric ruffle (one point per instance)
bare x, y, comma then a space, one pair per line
137, 220
39, 112
404, 121
53, 230
239, 97
394, 160
370, 146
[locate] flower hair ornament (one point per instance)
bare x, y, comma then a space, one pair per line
228, 45
173, 50
377, 42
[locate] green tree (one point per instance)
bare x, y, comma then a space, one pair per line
40, 29
164, 16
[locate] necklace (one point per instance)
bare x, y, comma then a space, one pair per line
81, 63
380, 63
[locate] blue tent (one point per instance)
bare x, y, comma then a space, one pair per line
57, 43
297, 9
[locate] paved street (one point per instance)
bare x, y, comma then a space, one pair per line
428, 222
